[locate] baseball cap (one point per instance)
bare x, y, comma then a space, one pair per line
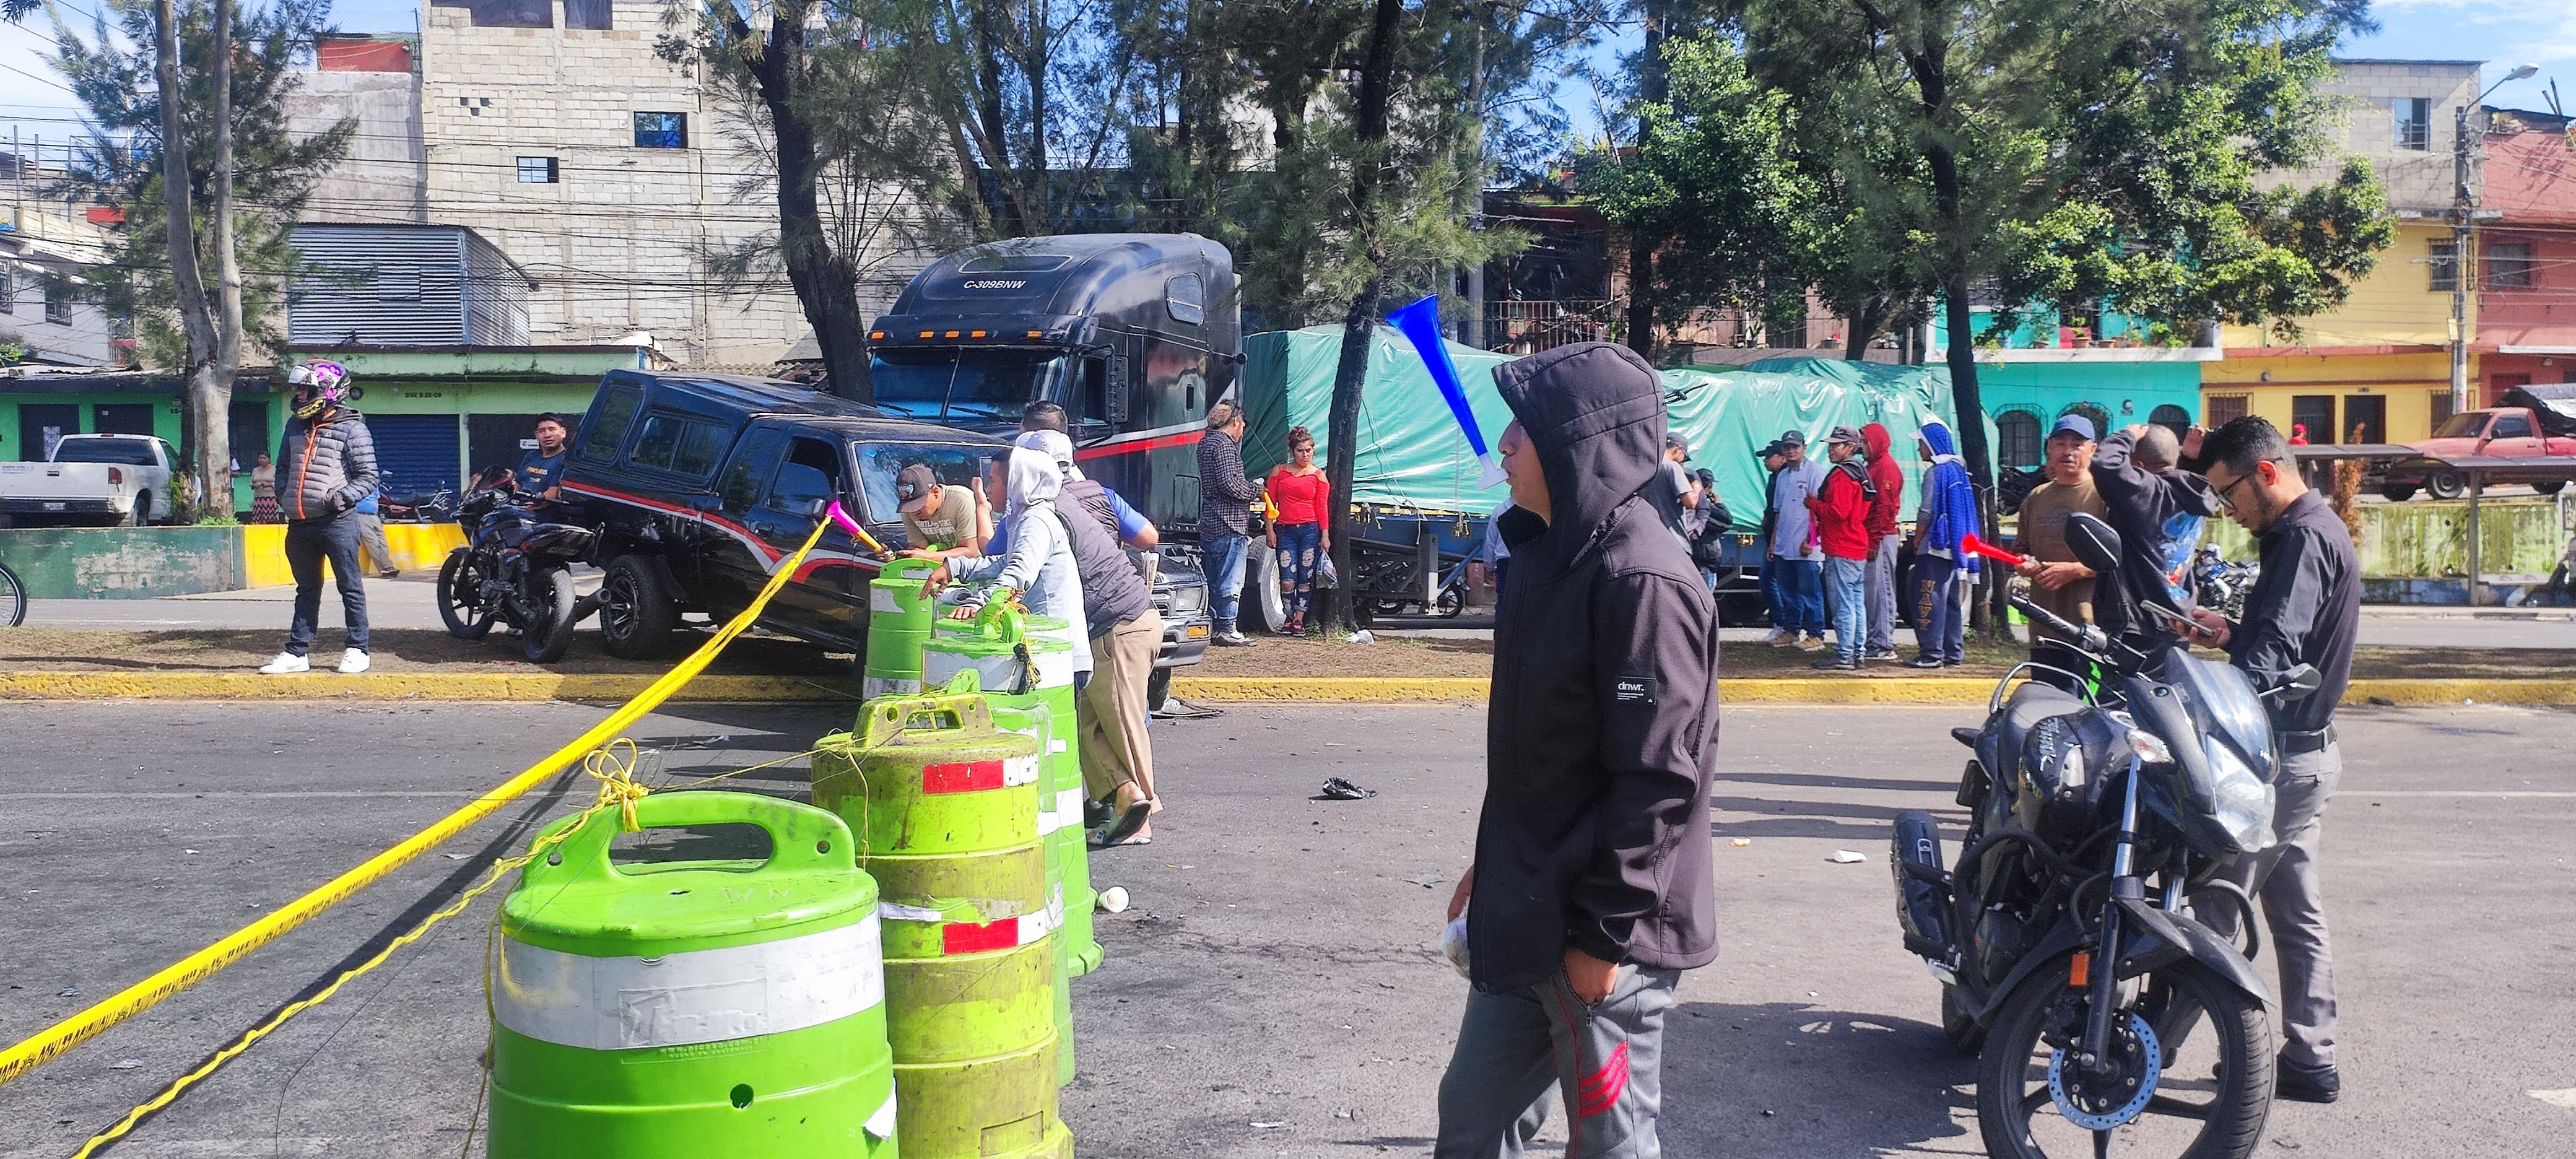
1792, 439
2076, 423
912, 488
1845, 435
1673, 442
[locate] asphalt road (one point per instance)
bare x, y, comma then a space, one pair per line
1274, 990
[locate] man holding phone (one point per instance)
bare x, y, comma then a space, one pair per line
2304, 609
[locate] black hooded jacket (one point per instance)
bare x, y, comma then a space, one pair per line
1602, 736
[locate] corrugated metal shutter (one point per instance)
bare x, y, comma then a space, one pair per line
416, 454
379, 285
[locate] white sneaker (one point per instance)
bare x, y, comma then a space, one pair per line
286, 662
352, 662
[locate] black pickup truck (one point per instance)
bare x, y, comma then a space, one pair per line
702, 484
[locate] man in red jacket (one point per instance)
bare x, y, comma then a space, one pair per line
1841, 510
1884, 538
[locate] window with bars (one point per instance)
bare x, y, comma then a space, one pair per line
2220, 409
2445, 267
2509, 265
59, 295
2018, 431
2414, 119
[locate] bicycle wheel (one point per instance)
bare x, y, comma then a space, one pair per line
13, 598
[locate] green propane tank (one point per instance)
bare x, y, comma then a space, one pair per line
693, 1008
1031, 722
945, 808
899, 623
1045, 677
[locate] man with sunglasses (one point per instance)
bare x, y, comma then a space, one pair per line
2304, 609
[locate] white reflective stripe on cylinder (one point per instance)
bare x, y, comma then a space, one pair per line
690, 997
876, 686
881, 600
1068, 804
995, 673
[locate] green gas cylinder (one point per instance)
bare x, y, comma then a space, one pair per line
945, 809
1038, 670
693, 1008
899, 623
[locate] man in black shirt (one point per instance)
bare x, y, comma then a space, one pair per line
540, 470
2304, 609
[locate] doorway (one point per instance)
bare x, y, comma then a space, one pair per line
122, 418
2365, 418
2316, 412
42, 424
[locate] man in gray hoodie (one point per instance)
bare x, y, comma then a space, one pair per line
1591, 890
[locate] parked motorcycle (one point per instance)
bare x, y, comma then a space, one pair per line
2221, 585
430, 507
515, 569
2071, 963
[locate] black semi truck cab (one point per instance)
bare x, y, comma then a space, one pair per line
1134, 334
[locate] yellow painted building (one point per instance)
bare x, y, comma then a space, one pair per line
2382, 363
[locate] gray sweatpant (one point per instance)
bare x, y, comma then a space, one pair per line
2287, 882
1520, 1050
1880, 579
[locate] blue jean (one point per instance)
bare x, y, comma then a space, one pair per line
1800, 594
1224, 558
308, 543
1299, 544
1847, 589
1940, 630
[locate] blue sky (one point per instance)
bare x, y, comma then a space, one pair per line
2503, 33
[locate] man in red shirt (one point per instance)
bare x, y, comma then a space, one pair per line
1884, 538
1841, 510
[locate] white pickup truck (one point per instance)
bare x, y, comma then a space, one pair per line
118, 480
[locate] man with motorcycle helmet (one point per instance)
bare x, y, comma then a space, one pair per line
326, 464
2305, 609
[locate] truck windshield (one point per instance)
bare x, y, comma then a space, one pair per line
125, 452
950, 463
963, 382
2462, 426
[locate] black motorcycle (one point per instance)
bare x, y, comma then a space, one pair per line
427, 507
2221, 585
2070, 961
515, 569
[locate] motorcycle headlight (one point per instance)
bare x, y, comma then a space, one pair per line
2240, 801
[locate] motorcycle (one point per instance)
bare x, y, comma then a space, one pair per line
515, 569
2071, 962
432, 507
2220, 585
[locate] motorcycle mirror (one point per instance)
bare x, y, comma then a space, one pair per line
2094, 543
2303, 682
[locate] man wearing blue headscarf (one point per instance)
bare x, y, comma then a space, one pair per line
1947, 516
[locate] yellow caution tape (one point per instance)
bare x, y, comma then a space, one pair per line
62, 1036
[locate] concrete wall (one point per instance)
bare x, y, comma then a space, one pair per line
384, 178
133, 563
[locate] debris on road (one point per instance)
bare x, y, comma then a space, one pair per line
1847, 857
1337, 789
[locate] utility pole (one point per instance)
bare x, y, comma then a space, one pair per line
2464, 207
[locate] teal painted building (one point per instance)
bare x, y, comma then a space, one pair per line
437, 413
2024, 391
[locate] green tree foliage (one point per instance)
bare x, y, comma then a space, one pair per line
273, 171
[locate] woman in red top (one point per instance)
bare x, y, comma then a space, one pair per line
1298, 489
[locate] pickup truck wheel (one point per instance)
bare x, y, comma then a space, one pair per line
2447, 485
141, 516
2551, 487
636, 612
2397, 492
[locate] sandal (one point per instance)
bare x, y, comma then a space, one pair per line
1122, 831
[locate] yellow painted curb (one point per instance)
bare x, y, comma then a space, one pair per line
538, 685
378, 686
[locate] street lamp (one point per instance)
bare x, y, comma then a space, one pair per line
2463, 205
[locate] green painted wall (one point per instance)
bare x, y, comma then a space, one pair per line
124, 563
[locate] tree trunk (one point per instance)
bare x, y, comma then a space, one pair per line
1359, 325
214, 438
1653, 87
196, 315
1862, 327
826, 283
1033, 64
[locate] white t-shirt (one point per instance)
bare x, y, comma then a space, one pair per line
1791, 529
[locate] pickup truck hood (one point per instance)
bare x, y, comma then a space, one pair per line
2444, 448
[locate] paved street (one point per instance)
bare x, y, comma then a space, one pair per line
1273, 991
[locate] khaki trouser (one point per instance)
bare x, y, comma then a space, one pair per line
2285, 881
1111, 715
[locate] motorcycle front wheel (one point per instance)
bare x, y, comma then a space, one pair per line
549, 636
460, 596
2210, 1070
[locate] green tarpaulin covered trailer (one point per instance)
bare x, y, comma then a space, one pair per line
1412, 454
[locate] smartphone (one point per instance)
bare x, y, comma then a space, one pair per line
2181, 623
